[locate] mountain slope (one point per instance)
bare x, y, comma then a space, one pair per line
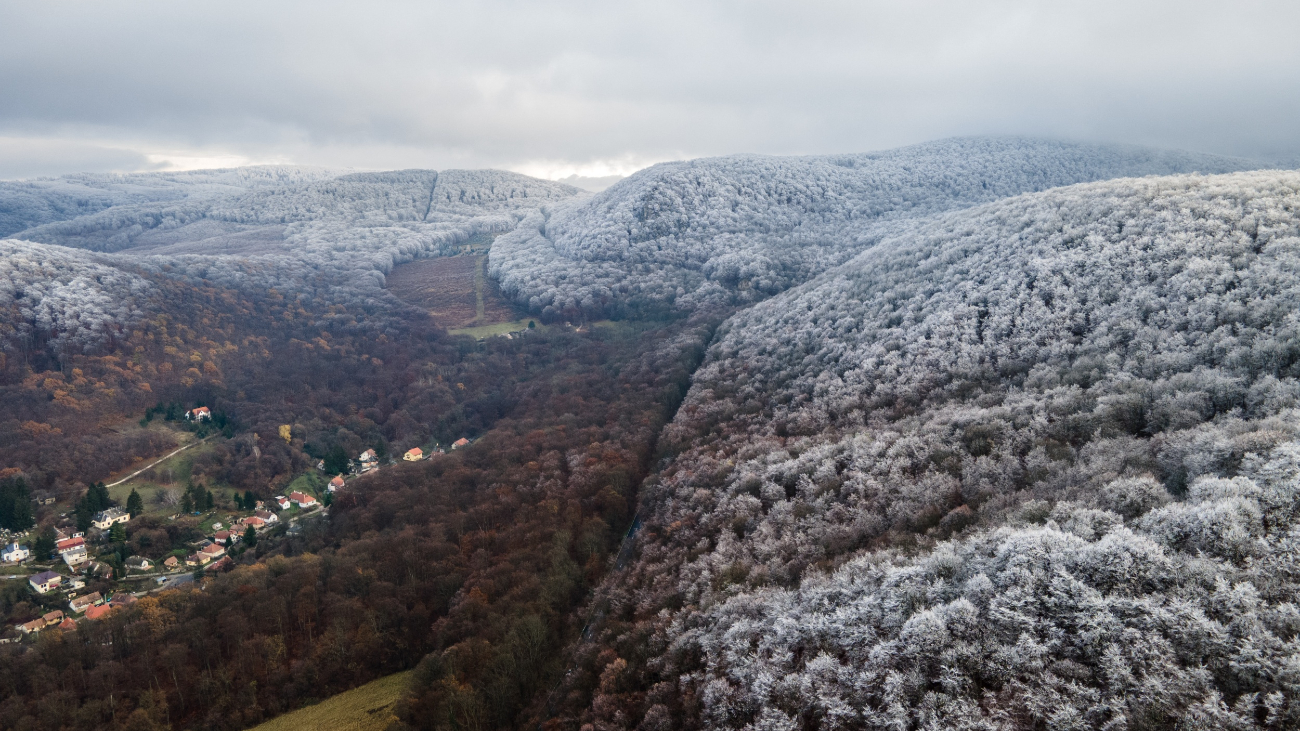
736, 229
1088, 393
28, 203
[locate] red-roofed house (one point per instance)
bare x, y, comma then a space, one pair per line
336, 483
414, 454
200, 414
98, 611
301, 500
256, 522
281, 502
462, 442
211, 551
67, 624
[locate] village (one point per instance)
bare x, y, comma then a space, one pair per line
74, 582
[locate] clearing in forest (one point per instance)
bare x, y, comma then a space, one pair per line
367, 708
454, 289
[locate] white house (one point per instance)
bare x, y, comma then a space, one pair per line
75, 556
281, 502
13, 553
105, 519
302, 500
200, 414
45, 582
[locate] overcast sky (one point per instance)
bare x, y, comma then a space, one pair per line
596, 88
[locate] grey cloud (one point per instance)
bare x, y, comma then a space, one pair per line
502, 83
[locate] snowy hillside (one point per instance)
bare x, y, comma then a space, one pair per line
28, 203
288, 229
735, 229
1089, 393
66, 298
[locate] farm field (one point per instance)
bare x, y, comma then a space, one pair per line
454, 290
367, 708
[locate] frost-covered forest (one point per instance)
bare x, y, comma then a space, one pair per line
1031, 465
717, 231
988, 433
305, 231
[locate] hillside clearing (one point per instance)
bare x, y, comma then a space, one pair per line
367, 708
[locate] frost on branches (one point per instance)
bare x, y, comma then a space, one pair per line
700, 233
1033, 464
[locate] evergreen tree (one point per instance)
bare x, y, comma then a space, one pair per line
117, 534
45, 543
209, 502
250, 500
134, 503
187, 503
250, 537
336, 461
15, 504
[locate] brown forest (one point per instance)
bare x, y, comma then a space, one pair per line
471, 566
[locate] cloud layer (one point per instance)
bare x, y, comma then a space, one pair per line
599, 88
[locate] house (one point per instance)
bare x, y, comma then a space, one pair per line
68, 624
43, 497
36, 625
76, 556
138, 563
336, 483
13, 553
414, 454
211, 551
98, 611
71, 544
122, 599
45, 582
105, 519
281, 502
171, 562
268, 516
82, 603
222, 564
199, 414
367, 456
321, 465
222, 536
254, 521
462, 442
194, 559
53, 617
73, 584
301, 500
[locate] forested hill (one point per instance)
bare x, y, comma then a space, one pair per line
715, 231
25, 204
1031, 465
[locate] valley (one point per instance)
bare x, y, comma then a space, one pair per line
982, 433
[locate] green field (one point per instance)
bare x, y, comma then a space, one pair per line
368, 708
484, 331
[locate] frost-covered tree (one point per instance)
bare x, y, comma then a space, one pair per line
1032, 464
714, 231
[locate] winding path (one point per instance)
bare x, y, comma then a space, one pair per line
156, 461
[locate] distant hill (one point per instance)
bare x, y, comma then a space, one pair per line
735, 229
593, 184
